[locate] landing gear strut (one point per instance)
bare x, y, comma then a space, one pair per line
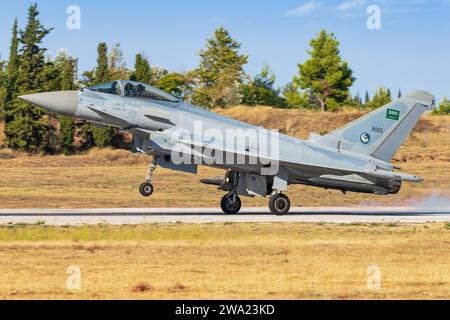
231, 203
146, 189
279, 204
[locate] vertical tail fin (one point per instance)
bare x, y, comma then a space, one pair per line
381, 132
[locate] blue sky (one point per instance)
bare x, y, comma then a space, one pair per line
411, 51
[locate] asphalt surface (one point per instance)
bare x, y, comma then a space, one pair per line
60, 217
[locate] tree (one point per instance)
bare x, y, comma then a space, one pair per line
325, 73
116, 64
66, 68
157, 74
399, 93
357, 101
67, 125
142, 70
25, 129
297, 98
101, 73
2, 87
381, 97
367, 99
102, 136
260, 90
10, 77
176, 84
444, 108
220, 72
66, 65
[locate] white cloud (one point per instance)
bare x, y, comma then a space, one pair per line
350, 4
304, 9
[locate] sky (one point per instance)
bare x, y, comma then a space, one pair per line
410, 51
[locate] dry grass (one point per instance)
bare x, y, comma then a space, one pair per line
239, 261
110, 178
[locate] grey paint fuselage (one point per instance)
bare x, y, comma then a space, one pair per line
353, 158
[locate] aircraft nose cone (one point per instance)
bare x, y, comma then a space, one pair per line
61, 102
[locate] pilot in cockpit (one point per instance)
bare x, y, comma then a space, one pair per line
134, 91
139, 90
129, 90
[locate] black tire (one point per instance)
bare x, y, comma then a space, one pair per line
279, 204
228, 207
146, 189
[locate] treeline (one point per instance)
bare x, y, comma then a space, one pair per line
322, 82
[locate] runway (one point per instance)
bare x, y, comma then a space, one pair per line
59, 217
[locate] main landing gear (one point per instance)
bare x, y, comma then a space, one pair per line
146, 189
231, 203
279, 204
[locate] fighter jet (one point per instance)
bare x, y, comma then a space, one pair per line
258, 162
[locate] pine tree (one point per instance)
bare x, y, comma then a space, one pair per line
297, 98
67, 125
26, 130
142, 70
260, 90
176, 84
367, 98
102, 136
10, 80
444, 108
116, 64
325, 73
381, 97
220, 72
102, 74
357, 101
66, 67
2, 88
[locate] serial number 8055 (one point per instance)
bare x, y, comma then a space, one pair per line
377, 129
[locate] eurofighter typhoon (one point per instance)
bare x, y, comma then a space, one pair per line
258, 162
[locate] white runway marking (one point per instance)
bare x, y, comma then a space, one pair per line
60, 217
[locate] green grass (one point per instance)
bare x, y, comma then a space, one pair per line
392, 225
192, 232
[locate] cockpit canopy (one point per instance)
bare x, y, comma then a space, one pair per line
134, 89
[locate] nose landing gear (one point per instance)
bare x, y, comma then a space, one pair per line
146, 189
